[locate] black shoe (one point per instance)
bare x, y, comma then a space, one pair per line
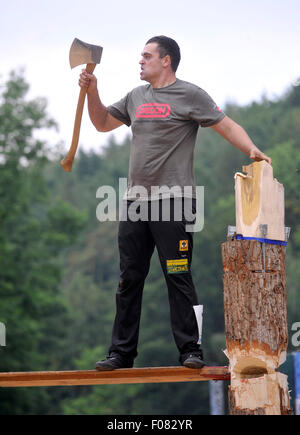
192, 360
113, 362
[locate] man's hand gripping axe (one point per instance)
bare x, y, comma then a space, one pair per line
80, 53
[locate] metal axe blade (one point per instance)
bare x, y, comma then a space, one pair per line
84, 53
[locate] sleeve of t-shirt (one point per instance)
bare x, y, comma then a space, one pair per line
119, 110
204, 110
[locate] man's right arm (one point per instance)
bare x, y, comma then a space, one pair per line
99, 115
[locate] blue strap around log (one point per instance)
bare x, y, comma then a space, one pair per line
260, 239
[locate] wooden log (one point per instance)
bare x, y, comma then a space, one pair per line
259, 199
256, 327
255, 310
262, 395
254, 303
120, 376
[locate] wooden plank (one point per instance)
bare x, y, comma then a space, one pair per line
120, 376
259, 199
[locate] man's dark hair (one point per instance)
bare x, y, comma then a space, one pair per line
167, 46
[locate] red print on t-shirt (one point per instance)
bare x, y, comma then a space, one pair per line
153, 110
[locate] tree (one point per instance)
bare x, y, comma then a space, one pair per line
32, 233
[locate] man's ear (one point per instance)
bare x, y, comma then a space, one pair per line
167, 60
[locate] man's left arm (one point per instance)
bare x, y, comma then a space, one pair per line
237, 136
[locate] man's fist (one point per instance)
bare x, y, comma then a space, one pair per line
88, 81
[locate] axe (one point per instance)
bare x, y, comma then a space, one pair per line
80, 53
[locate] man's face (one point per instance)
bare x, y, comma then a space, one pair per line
152, 65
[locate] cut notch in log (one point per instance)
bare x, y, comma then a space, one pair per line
120, 376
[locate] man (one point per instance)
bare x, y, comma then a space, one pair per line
165, 116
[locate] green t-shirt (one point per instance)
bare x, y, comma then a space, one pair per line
164, 123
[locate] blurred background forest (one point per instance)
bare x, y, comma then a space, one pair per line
59, 264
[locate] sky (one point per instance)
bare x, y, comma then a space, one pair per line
237, 50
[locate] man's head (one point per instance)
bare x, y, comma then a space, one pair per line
161, 55
167, 47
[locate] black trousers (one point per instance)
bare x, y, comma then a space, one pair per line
137, 240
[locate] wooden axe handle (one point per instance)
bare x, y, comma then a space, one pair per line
67, 162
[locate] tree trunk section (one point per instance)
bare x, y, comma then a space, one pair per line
256, 327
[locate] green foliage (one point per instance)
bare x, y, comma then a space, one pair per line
60, 264
32, 234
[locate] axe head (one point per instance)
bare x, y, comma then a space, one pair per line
83, 53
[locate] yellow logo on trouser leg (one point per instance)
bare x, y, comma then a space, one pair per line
178, 266
183, 245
